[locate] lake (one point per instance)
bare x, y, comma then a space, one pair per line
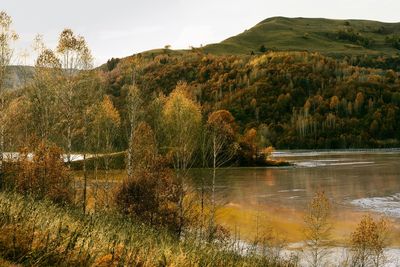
356, 182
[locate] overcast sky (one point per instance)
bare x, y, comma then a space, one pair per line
118, 28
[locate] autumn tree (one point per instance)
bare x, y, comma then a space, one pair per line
182, 120
7, 38
154, 117
134, 106
43, 174
61, 94
248, 147
359, 102
150, 193
317, 228
334, 103
74, 56
368, 242
90, 94
221, 128
54, 92
17, 121
42, 94
105, 121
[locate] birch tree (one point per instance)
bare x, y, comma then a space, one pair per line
318, 228
182, 121
7, 38
105, 123
134, 106
42, 94
368, 242
221, 128
89, 94
74, 56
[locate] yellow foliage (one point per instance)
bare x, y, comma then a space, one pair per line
369, 240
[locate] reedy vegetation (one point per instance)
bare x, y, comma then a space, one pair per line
43, 234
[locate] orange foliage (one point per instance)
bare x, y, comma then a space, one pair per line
43, 174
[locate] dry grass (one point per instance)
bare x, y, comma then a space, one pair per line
42, 234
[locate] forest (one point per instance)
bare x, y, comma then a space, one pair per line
289, 99
157, 115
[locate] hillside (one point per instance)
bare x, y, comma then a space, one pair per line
17, 76
292, 99
327, 36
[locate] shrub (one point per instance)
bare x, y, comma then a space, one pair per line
263, 49
43, 174
151, 195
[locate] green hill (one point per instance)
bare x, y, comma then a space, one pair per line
327, 36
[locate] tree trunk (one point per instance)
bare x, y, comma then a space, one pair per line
1, 140
129, 163
84, 183
213, 182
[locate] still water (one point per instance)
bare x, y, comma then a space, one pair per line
356, 182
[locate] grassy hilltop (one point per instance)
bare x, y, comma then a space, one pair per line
327, 36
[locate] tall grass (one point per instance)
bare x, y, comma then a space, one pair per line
40, 233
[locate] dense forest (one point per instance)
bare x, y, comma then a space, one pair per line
291, 99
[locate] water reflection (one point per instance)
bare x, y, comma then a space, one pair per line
344, 177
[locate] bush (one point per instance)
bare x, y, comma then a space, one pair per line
43, 174
263, 49
354, 37
151, 196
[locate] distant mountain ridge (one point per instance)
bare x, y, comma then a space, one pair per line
17, 76
328, 36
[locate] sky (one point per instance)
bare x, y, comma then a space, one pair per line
119, 28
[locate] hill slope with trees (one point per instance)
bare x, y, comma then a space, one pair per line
291, 99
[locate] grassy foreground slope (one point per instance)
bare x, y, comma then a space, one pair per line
312, 34
36, 233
